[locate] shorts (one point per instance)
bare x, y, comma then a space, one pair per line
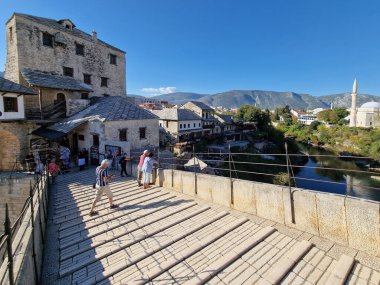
100, 190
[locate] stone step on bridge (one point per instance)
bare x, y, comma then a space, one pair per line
161, 237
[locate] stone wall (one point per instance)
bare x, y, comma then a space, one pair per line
25, 50
13, 191
48, 97
76, 105
14, 141
348, 221
109, 134
23, 264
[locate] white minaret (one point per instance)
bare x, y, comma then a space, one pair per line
353, 104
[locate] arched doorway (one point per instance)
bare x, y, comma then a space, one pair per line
61, 97
9, 150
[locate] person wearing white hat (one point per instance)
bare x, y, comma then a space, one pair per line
140, 165
102, 186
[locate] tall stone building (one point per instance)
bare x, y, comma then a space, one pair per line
64, 64
55, 75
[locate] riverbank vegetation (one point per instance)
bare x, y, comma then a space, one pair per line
358, 141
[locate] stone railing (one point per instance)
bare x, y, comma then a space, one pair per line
345, 220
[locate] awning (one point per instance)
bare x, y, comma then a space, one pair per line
49, 134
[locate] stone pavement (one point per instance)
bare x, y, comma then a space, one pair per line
160, 237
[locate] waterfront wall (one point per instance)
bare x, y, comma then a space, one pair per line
348, 221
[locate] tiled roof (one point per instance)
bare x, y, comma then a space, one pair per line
56, 25
201, 105
12, 87
48, 80
49, 134
114, 108
175, 114
228, 119
158, 236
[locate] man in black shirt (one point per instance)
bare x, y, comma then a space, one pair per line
123, 163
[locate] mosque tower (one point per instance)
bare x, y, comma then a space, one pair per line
354, 96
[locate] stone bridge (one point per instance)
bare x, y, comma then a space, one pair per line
185, 230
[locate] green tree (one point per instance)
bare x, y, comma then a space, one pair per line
254, 115
334, 116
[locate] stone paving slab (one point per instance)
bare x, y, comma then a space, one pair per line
162, 237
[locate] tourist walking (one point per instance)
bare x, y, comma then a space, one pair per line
53, 170
39, 168
147, 169
123, 163
140, 165
81, 161
109, 157
29, 160
102, 186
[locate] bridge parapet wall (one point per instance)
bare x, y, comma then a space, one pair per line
345, 220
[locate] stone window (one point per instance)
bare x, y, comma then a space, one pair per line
79, 49
95, 140
123, 135
103, 81
188, 125
180, 126
167, 124
87, 78
142, 133
68, 71
47, 39
10, 104
80, 137
194, 125
84, 96
199, 124
10, 34
113, 59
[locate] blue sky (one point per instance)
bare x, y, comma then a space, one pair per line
208, 46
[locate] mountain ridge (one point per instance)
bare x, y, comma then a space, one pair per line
267, 99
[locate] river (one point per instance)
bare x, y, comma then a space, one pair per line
354, 183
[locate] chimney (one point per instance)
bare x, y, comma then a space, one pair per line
94, 35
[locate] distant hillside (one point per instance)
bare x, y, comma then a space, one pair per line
263, 99
135, 96
180, 97
344, 99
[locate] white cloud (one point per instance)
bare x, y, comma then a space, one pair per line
158, 91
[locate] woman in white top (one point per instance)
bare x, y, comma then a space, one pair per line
147, 169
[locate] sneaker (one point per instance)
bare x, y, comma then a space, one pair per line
114, 206
93, 213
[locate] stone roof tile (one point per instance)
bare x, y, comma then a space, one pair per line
10, 86
113, 108
54, 81
56, 25
175, 114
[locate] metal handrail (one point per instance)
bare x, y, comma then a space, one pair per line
174, 162
7, 239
